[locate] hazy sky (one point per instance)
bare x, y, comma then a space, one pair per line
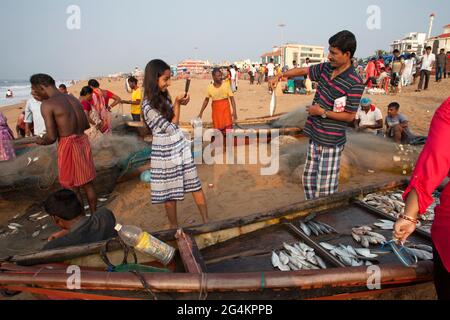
118, 35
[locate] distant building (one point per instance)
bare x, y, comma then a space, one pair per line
440, 42
413, 42
193, 66
286, 54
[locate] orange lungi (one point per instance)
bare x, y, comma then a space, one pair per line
75, 162
221, 114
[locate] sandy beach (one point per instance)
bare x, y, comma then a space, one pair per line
235, 185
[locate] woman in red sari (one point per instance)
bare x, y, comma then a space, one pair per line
99, 105
432, 168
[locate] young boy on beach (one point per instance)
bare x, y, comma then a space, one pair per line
76, 228
221, 95
66, 122
136, 99
173, 170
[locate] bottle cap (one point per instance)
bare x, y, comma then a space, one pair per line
118, 227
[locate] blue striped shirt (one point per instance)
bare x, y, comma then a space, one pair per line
328, 132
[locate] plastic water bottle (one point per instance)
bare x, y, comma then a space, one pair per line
146, 243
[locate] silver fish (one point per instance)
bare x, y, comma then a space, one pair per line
293, 267
305, 229
327, 246
291, 249
283, 258
277, 263
321, 262
420, 254
365, 253
423, 247
314, 229
321, 229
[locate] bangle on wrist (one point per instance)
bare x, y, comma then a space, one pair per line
405, 217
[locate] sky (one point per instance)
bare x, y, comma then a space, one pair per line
117, 35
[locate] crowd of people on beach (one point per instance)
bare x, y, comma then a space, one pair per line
388, 75
54, 115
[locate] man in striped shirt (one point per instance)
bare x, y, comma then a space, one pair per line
335, 105
66, 122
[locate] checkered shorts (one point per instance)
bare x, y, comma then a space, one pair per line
321, 176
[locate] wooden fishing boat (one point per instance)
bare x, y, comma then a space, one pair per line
231, 260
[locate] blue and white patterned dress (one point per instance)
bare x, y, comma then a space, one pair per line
173, 170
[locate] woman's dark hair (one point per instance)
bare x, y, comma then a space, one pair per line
63, 204
85, 91
42, 80
94, 83
344, 41
158, 100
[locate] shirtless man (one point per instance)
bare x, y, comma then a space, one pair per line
66, 122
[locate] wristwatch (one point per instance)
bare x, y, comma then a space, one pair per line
325, 115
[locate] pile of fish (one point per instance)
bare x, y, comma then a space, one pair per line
420, 251
351, 257
366, 236
391, 204
317, 228
297, 257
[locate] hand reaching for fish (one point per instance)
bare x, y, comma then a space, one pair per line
403, 230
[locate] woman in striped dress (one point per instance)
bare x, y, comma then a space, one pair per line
173, 170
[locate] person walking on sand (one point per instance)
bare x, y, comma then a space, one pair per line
173, 171
427, 63
66, 122
34, 122
335, 105
7, 152
99, 104
222, 96
93, 132
270, 68
441, 62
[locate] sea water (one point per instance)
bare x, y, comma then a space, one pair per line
21, 90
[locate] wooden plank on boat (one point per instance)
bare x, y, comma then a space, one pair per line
190, 255
332, 279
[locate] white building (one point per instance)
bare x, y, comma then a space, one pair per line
440, 42
413, 42
287, 54
193, 66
